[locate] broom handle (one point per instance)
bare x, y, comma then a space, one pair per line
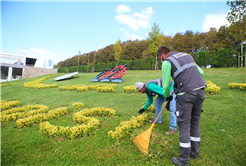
162, 110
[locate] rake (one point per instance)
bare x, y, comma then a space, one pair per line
142, 140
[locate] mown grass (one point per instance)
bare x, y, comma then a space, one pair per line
222, 125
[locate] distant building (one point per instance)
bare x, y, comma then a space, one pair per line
13, 64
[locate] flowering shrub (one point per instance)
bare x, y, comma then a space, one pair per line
240, 86
78, 105
34, 119
8, 104
130, 89
151, 108
105, 89
89, 123
22, 112
94, 87
38, 84
84, 88
71, 87
212, 88
126, 127
9, 84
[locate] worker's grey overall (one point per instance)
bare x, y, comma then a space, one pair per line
190, 84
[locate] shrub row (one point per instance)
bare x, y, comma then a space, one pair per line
22, 112
34, 119
129, 89
78, 105
126, 127
8, 104
107, 88
212, 88
83, 88
89, 123
151, 108
9, 84
240, 86
38, 84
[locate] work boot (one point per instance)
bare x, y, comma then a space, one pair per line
170, 131
177, 161
196, 158
151, 121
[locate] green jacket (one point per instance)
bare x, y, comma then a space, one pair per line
156, 89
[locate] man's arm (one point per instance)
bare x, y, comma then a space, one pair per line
166, 76
149, 102
200, 70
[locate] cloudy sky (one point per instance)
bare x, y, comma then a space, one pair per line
57, 30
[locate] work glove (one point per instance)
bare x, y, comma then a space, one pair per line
141, 111
169, 98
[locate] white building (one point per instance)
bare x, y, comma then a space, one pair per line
13, 64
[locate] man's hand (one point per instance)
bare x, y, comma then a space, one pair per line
169, 98
141, 111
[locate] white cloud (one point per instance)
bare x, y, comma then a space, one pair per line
214, 20
131, 36
146, 14
122, 9
136, 20
42, 56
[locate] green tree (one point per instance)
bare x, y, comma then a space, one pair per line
237, 17
117, 51
155, 40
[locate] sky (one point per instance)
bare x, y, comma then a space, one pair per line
58, 30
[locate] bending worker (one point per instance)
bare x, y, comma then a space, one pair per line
189, 88
152, 88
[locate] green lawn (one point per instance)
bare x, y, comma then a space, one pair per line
222, 125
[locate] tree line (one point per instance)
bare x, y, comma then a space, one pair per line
216, 48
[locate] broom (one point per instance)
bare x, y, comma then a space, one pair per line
142, 140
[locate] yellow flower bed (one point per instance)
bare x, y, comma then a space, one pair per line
8, 104
105, 89
38, 84
84, 88
212, 88
78, 105
240, 86
151, 108
130, 89
22, 112
71, 87
9, 84
89, 123
34, 119
126, 127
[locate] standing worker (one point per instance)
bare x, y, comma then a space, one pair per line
152, 88
189, 88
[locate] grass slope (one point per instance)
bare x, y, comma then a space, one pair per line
222, 125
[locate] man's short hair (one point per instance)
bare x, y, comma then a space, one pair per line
163, 50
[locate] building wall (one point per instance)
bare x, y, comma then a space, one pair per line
34, 71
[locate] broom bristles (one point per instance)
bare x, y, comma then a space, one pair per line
142, 140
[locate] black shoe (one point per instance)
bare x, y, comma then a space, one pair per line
196, 158
177, 161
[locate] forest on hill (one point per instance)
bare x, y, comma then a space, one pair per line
215, 48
